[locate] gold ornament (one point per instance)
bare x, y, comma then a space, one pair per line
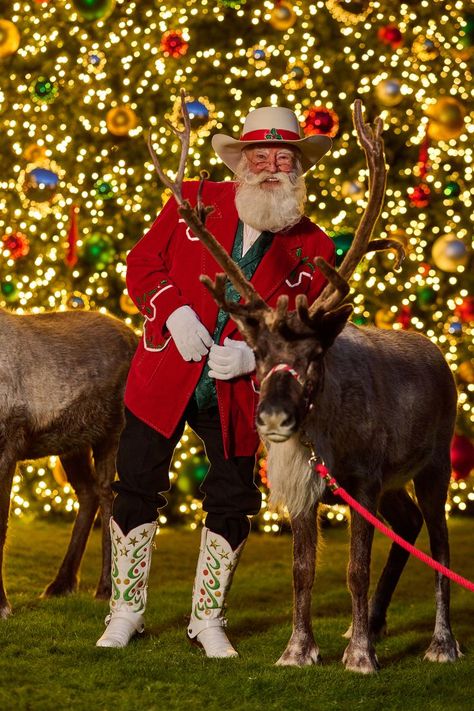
9, 38
121, 120
425, 48
466, 371
296, 76
389, 92
349, 12
282, 17
449, 253
127, 305
446, 119
384, 318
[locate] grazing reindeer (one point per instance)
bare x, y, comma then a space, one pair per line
377, 406
62, 377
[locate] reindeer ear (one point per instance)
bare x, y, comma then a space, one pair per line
332, 323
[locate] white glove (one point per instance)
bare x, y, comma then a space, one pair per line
232, 359
191, 338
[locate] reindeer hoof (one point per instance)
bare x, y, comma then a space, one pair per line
5, 611
299, 657
443, 650
58, 588
360, 660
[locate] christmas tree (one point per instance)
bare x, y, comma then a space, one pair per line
84, 80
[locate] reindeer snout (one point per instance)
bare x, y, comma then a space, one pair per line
275, 424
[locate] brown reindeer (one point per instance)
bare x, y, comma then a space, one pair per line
62, 377
377, 406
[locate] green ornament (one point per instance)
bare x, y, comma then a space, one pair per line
452, 189
98, 250
425, 296
8, 290
232, 3
343, 241
43, 90
359, 320
94, 9
104, 189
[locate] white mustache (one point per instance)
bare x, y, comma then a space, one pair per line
257, 178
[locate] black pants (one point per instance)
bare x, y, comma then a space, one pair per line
143, 462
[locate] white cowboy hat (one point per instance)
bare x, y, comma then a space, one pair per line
272, 125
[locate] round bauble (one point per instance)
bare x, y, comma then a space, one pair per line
462, 456
121, 120
104, 189
283, 16
94, 9
419, 196
127, 305
389, 92
173, 44
40, 185
77, 301
452, 189
320, 120
94, 61
17, 244
296, 76
34, 153
446, 119
465, 310
425, 49
9, 38
390, 35
425, 296
342, 240
449, 253
384, 318
198, 113
353, 189
466, 371
98, 250
43, 90
9, 291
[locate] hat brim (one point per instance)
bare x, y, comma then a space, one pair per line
312, 149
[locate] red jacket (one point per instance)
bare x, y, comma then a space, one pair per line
163, 272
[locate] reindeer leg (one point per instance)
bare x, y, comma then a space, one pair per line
404, 516
78, 467
360, 655
104, 458
432, 500
302, 649
7, 470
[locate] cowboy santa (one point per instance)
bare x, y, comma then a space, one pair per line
191, 365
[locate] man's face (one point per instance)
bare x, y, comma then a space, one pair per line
272, 160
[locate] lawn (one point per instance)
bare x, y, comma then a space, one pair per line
49, 661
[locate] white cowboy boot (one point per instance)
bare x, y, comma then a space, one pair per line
215, 570
131, 555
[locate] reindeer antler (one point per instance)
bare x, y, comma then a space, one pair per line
372, 143
195, 219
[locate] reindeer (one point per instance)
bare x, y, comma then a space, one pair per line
378, 407
62, 376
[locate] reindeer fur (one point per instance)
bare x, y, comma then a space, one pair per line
62, 377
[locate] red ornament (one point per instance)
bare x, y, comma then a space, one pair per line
17, 244
173, 44
404, 317
465, 310
320, 120
419, 196
390, 34
462, 457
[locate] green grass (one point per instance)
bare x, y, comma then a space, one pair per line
49, 661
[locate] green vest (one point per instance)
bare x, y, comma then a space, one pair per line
205, 393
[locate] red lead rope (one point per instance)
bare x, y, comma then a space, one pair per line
323, 472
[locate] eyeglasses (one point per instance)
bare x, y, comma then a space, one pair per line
263, 159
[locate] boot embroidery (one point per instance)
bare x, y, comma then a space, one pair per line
134, 577
211, 584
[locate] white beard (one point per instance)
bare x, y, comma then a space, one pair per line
276, 209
